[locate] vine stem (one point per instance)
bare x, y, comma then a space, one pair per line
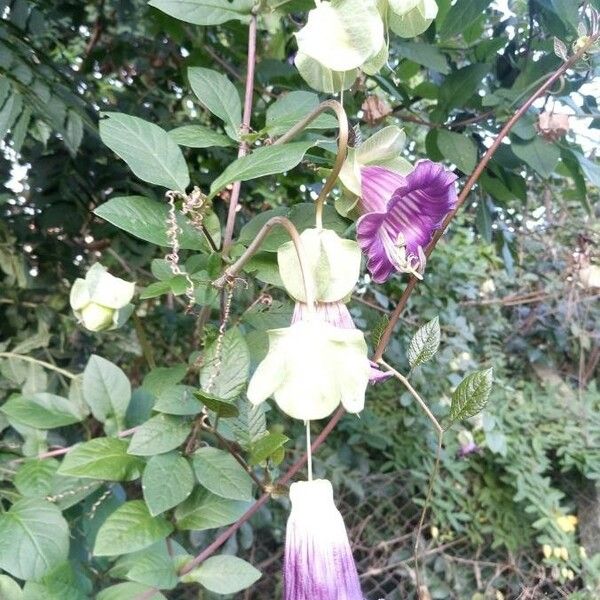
415, 395
471, 181
232, 271
42, 363
245, 128
64, 450
340, 113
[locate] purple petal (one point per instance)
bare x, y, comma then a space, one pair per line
334, 313
378, 185
418, 208
415, 210
377, 375
372, 237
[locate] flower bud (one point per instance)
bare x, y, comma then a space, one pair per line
318, 558
409, 18
101, 301
333, 266
547, 550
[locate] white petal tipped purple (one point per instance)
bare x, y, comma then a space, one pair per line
401, 214
318, 558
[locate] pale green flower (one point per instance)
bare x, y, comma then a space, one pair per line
310, 368
333, 266
409, 18
101, 301
340, 38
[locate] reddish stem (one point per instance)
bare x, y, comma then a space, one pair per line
412, 282
247, 115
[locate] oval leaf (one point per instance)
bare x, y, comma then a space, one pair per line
471, 395
147, 149
130, 528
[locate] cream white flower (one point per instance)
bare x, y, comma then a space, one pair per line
310, 368
101, 301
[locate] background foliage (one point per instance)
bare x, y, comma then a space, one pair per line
508, 287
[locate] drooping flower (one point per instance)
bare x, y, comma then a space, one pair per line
400, 215
338, 315
101, 301
310, 368
318, 558
339, 38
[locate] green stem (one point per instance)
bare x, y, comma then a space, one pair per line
338, 109
42, 363
143, 339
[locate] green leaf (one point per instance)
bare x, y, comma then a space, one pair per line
158, 435
9, 589
266, 446
167, 481
263, 161
540, 155
61, 583
471, 395
205, 510
130, 528
223, 408
459, 149
425, 343
147, 149
427, 55
198, 136
127, 591
225, 574
250, 426
107, 391
147, 220
175, 285
229, 373
152, 566
102, 458
221, 474
461, 15
301, 215
34, 538
218, 95
291, 108
161, 378
42, 410
206, 12
178, 400
590, 168
35, 477
460, 85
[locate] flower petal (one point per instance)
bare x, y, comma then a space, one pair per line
318, 558
368, 235
419, 206
378, 185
